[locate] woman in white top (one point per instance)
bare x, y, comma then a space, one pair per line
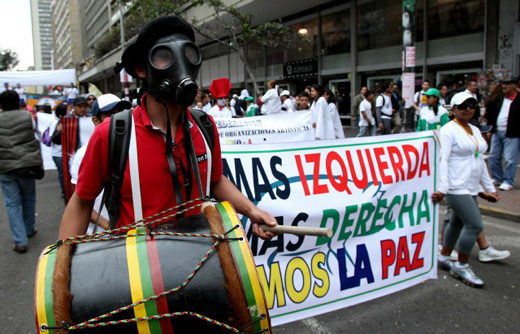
62, 109
334, 114
321, 116
462, 169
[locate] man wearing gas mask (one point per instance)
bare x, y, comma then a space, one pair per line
165, 57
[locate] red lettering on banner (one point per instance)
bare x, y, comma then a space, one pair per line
418, 239
397, 163
400, 255
382, 165
372, 169
343, 178
318, 188
409, 149
359, 183
303, 177
425, 161
387, 255
403, 259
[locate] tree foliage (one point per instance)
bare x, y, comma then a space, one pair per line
230, 27
8, 59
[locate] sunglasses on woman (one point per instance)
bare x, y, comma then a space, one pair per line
465, 106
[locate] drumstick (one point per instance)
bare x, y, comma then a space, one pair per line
316, 231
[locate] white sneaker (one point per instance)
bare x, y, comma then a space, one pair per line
467, 276
505, 186
491, 254
453, 256
495, 182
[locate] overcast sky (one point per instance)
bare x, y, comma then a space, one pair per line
16, 30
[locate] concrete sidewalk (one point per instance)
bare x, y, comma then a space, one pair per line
507, 208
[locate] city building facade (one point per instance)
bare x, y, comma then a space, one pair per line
67, 21
42, 34
352, 43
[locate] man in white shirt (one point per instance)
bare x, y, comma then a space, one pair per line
72, 93
366, 120
6, 87
505, 135
384, 110
21, 92
271, 100
419, 99
443, 91
287, 103
206, 103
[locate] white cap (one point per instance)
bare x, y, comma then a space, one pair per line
235, 95
285, 92
459, 98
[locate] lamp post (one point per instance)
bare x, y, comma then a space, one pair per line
408, 77
124, 78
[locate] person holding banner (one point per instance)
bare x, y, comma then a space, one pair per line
462, 170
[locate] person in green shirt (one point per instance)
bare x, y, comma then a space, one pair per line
432, 116
252, 108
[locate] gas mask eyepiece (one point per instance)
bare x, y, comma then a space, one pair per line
173, 65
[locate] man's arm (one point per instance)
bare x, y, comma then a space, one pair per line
76, 217
365, 117
225, 190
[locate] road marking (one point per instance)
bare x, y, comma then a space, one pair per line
315, 325
502, 227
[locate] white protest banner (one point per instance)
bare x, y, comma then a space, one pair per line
277, 128
373, 192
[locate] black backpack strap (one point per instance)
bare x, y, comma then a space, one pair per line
205, 125
119, 141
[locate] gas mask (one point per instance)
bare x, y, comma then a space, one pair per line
173, 64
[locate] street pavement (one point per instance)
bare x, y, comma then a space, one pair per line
444, 305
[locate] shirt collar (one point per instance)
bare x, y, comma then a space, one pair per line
512, 97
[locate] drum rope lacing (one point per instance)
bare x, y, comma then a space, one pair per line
147, 222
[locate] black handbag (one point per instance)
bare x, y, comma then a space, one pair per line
33, 172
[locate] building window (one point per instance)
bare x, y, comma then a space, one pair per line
448, 18
335, 29
310, 29
379, 24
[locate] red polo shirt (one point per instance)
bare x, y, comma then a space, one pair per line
157, 192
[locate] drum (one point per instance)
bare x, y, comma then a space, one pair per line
190, 282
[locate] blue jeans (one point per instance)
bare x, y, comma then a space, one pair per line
20, 201
509, 147
364, 129
58, 161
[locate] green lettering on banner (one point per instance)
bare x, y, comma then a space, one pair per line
347, 222
364, 216
378, 215
426, 212
407, 209
389, 222
330, 213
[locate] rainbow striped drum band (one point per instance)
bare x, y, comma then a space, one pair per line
191, 275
